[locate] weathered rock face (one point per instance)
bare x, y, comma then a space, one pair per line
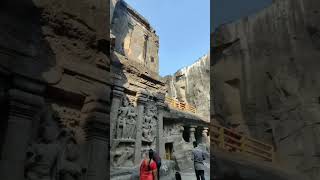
192, 85
266, 79
55, 89
136, 39
113, 4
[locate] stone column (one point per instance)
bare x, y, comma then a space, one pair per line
116, 103
96, 109
205, 135
24, 105
160, 146
192, 134
181, 130
141, 101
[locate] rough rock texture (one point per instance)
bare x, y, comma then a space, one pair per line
235, 166
140, 118
192, 85
55, 89
136, 39
266, 80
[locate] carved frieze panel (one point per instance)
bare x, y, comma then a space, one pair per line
149, 124
54, 152
122, 154
172, 130
126, 121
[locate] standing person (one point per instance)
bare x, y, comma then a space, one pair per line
148, 167
157, 159
198, 157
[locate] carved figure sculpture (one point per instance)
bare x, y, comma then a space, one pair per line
41, 156
122, 118
131, 122
68, 168
53, 155
149, 124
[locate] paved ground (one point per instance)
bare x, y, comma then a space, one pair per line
192, 176
189, 174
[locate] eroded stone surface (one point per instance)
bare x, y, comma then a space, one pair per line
266, 81
55, 74
134, 56
191, 85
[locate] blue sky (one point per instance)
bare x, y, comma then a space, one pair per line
183, 27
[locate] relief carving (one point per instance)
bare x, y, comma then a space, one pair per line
149, 123
122, 155
172, 130
126, 124
71, 119
54, 154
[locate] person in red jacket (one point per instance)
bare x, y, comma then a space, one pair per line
148, 167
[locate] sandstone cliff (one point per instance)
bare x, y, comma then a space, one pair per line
191, 84
266, 79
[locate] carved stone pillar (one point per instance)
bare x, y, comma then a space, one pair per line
192, 134
181, 130
97, 109
160, 146
205, 135
24, 104
116, 102
141, 100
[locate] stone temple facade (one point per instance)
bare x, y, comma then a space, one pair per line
71, 107
265, 80
140, 116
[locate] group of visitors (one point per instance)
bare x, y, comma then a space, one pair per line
151, 163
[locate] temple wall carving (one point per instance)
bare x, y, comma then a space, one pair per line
55, 77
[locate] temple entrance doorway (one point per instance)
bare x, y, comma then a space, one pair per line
186, 134
169, 151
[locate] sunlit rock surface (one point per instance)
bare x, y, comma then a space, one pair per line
191, 84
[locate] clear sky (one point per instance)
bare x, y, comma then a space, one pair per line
183, 27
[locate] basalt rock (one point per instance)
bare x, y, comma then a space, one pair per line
192, 84
266, 80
